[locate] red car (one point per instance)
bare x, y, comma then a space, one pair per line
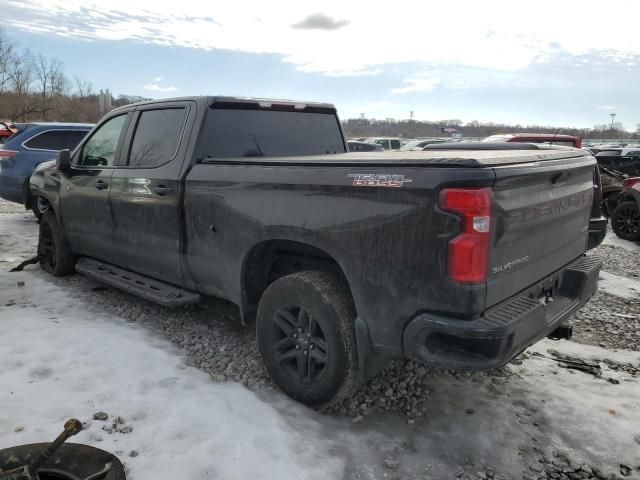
6, 130
566, 140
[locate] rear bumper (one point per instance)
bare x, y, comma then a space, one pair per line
505, 330
597, 231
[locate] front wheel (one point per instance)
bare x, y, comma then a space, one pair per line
39, 206
306, 337
625, 221
54, 252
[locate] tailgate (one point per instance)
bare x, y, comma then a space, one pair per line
541, 219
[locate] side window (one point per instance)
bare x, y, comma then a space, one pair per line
157, 137
100, 149
395, 144
74, 137
51, 140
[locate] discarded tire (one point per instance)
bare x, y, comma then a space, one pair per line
72, 461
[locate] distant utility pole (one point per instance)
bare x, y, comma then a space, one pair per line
410, 114
613, 116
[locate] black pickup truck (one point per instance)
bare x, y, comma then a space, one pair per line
344, 260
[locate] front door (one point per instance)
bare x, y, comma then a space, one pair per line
84, 190
145, 191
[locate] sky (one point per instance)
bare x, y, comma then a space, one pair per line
568, 63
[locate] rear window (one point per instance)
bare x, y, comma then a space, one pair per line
266, 133
56, 140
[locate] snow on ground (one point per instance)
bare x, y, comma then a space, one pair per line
614, 240
59, 361
62, 357
622, 287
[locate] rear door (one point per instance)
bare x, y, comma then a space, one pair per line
541, 217
84, 190
146, 190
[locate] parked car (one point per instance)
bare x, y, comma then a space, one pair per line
616, 165
386, 143
344, 260
417, 145
6, 131
355, 146
31, 145
625, 221
548, 138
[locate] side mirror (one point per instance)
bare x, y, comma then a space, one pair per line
63, 160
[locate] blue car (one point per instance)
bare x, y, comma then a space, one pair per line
31, 145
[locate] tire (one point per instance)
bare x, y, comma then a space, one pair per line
39, 206
625, 221
71, 460
54, 253
306, 337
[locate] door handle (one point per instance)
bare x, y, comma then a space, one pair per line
101, 185
161, 189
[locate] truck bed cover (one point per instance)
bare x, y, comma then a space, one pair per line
439, 158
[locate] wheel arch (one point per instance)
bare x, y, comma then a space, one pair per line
630, 196
272, 259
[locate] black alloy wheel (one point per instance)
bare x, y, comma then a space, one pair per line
626, 221
299, 343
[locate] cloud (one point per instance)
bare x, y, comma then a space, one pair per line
606, 107
417, 85
158, 88
487, 35
158, 79
320, 21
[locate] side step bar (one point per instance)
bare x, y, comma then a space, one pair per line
136, 284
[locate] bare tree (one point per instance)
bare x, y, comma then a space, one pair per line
84, 88
21, 79
47, 71
6, 58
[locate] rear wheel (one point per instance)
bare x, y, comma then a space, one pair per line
54, 253
306, 337
625, 221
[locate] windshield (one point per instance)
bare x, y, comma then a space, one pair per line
266, 133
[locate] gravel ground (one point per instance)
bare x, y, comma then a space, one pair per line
212, 337
606, 320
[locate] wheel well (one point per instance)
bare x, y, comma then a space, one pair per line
274, 259
629, 196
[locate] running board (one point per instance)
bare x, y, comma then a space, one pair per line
136, 284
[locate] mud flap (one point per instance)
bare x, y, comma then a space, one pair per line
369, 362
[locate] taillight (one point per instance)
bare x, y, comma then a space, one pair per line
4, 154
468, 253
630, 183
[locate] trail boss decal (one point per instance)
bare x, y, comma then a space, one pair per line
375, 180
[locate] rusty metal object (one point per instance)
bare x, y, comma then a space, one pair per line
30, 472
71, 427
